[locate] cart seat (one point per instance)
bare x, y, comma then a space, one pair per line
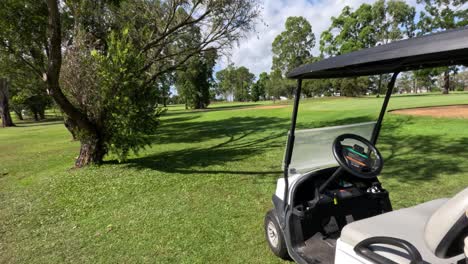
433, 228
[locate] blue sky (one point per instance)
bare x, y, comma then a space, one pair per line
254, 52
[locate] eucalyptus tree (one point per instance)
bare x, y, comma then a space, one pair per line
118, 50
367, 26
243, 84
235, 82
292, 47
226, 79
442, 15
393, 20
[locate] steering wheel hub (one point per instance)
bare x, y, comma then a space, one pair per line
357, 155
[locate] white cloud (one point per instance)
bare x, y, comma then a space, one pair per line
254, 52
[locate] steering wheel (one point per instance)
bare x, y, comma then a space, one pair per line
358, 161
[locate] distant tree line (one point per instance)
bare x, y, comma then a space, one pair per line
369, 25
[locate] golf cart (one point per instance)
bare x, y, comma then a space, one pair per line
330, 206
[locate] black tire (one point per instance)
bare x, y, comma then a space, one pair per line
272, 231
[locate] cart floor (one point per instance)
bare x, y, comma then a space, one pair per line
319, 249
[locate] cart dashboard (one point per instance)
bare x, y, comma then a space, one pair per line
345, 200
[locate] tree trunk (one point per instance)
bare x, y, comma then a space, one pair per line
4, 106
92, 147
19, 115
92, 151
36, 116
446, 82
71, 126
380, 86
42, 114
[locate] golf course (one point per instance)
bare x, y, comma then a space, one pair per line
199, 194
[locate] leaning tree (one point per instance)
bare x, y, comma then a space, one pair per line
114, 53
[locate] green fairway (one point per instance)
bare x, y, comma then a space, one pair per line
200, 192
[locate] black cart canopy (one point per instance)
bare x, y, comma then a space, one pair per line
434, 50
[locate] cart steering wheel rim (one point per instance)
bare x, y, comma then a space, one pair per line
363, 165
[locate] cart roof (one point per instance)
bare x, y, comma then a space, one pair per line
433, 50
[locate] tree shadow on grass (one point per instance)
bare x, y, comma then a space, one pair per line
244, 138
45, 122
211, 109
409, 157
183, 131
194, 160
186, 118
195, 132
412, 158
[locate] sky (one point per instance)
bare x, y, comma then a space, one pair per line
254, 52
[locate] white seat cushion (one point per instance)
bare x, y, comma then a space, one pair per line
407, 224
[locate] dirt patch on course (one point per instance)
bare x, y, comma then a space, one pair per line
268, 107
451, 111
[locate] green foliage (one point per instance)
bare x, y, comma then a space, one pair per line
194, 83
243, 84
293, 46
366, 27
460, 81
128, 105
259, 87
277, 86
318, 87
426, 78
236, 82
23, 25
352, 86
226, 79
405, 83
393, 20
355, 31
255, 97
27, 90
442, 15
382, 22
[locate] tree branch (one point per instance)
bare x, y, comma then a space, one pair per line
53, 70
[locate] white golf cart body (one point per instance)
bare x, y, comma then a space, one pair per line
323, 215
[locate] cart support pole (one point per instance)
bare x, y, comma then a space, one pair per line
376, 131
291, 137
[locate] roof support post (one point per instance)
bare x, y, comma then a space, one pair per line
291, 137
376, 131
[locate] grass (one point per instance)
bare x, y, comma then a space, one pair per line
199, 194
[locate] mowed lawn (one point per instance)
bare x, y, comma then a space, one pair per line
200, 192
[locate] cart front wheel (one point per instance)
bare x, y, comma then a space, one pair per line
275, 236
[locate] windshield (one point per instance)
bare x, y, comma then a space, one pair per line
313, 147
